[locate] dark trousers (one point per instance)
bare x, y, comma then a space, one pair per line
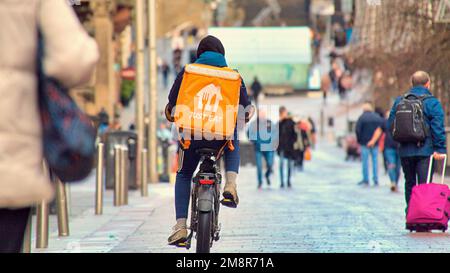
12, 229
300, 158
416, 171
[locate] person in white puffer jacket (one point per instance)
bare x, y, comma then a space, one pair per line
71, 56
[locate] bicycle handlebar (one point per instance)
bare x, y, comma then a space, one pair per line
168, 113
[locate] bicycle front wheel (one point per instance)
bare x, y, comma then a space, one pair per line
204, 232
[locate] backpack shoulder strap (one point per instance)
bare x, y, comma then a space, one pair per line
422, 97
409, 94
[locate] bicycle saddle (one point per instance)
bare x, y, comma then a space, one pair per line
206, 152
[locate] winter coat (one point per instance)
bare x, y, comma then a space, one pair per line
288, 137
71, 56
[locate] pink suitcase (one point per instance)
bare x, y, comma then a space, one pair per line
429, 206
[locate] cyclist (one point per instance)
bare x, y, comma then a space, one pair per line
210, 52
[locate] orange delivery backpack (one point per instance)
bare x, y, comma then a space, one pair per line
208, 103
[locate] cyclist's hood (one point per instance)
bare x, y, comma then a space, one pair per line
210, 43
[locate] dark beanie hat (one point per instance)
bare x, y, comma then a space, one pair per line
210, 43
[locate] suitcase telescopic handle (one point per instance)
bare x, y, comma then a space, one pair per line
430, 168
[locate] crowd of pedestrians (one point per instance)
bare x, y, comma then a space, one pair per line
290, 138
340, 76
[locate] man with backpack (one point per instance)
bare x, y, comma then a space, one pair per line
417, 122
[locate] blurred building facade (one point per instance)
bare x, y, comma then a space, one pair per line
267, 13
112, 24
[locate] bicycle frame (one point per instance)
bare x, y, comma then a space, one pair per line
205, 197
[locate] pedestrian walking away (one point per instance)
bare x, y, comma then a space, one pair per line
427, 138
256, 90
335, 74
368, 132
70, 58
313, 132
383, 115
286, 152
261, 133
392, 157
303, 143
165, 70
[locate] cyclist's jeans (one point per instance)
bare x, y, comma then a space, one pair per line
189, 164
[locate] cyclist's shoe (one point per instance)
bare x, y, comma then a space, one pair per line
230, 197
179, 234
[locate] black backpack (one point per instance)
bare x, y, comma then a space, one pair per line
409, 124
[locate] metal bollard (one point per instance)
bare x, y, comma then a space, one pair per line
42, 211
99, 184
144, 181
62, 210
26, 246
68, 198
117, 187
124, 176
127, 174
42, 215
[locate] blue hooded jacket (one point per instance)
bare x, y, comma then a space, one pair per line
434, 118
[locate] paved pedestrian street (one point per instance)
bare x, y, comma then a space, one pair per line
324, 212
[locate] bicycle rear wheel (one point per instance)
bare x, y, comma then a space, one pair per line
204, 232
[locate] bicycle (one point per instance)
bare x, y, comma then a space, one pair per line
205, 203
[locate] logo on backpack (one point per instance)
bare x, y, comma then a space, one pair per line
409, 122
208, 93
